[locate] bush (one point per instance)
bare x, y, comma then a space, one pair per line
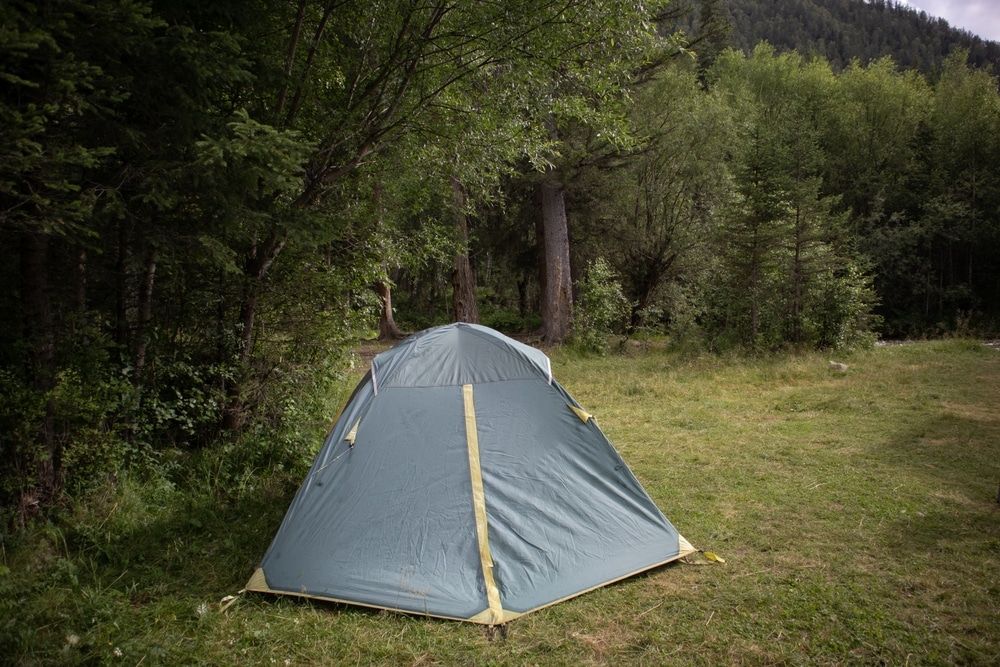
601, 308
842, 317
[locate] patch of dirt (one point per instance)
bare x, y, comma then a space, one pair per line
369, 348
605, 641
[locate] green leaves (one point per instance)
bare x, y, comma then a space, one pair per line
266, 162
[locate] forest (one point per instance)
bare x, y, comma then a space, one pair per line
205, 206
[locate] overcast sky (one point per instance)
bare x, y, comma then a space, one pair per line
980, 17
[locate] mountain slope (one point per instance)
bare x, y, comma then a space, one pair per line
842, 30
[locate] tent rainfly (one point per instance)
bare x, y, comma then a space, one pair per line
461, 481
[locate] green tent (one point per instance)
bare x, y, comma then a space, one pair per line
461, 481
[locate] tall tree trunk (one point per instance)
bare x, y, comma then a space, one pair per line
121, 296
557, 297
145, 315
80, 281
557, 282
463, 282
259, 258
293, 45
247, 320
387, 329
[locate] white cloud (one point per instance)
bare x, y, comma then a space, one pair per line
980, 17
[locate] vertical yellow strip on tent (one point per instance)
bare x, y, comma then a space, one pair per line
479, 503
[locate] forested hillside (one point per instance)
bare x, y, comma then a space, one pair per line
204, 207
842, 30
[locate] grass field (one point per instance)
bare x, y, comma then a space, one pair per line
856, 512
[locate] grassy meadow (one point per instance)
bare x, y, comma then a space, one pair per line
856, 513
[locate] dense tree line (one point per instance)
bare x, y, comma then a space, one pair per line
204, 206
201, 203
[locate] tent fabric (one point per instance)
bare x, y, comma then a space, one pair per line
461, 481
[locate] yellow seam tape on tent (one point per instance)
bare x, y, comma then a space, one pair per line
353, 434
581, 413
479, 503
258, 582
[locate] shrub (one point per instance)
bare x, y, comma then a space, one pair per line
601, 308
